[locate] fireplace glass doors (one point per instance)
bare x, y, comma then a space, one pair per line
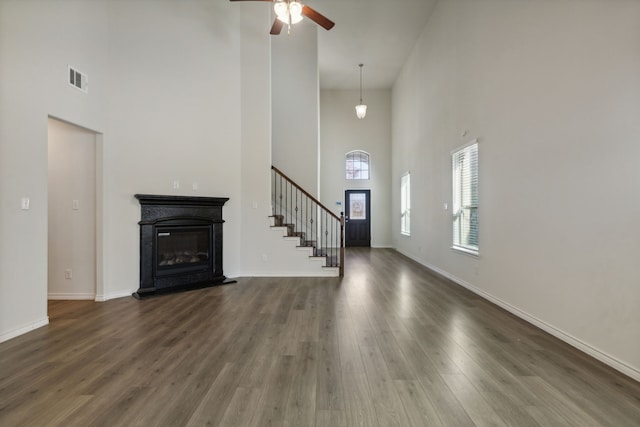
182, 249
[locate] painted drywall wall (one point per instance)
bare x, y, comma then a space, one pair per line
72, 212
256, 133
173, 97
295, 103
164, 93
264, 251
174, 117
552, 91
38, 40
341, 132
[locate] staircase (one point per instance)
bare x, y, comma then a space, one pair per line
303, 218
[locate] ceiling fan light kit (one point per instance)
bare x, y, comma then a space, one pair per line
361, 109
291, 12
288, 12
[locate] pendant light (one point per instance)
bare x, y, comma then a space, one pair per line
361, 109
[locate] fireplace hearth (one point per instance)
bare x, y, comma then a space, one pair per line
180, 243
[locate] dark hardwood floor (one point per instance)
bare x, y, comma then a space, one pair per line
389, 344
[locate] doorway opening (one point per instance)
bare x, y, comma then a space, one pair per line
357, 218
73, 160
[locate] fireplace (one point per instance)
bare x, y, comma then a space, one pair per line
182, 249
180, 243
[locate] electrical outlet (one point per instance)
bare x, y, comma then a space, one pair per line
68, 274
176, 184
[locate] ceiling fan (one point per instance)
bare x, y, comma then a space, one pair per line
291, 11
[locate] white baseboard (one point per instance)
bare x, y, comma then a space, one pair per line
63, 296
328, 273
113, 295
23, 330
603, 357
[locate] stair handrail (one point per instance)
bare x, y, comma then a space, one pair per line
306, 193
340, 218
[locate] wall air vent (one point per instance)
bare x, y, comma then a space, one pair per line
78, 79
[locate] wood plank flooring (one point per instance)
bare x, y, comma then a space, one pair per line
390, 344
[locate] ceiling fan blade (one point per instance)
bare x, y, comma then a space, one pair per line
318, 18
277, 27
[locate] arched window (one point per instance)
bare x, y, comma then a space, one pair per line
357, 165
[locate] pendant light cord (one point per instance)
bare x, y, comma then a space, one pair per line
360, 65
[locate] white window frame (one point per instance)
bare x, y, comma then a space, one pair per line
465, 198
356, 174
405, 204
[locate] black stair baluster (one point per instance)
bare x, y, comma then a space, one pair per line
309, 220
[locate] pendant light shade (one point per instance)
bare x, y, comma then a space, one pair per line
361, 109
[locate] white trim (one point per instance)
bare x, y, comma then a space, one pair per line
325, 272
70, 296
115, 295
358, 151
368, 163
603, 357
23, 330
466, 251
453, 154
462, 147
405, 211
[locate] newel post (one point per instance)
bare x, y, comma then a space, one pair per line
341, 244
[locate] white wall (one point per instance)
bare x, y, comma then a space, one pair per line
38, 39
178, 91
264, 251
341, 132
552, 91
174, 115
72, 229
295, 99
164, 93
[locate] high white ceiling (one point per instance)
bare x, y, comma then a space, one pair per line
377, 33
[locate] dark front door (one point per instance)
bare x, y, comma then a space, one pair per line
357, 217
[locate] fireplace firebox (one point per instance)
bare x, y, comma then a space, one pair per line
182, 249
180, 243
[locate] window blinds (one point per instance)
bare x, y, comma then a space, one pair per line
465, 198
405, 204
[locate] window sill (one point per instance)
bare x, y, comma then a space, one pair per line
466, 251
403, 233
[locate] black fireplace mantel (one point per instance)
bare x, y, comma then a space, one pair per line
161, 215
